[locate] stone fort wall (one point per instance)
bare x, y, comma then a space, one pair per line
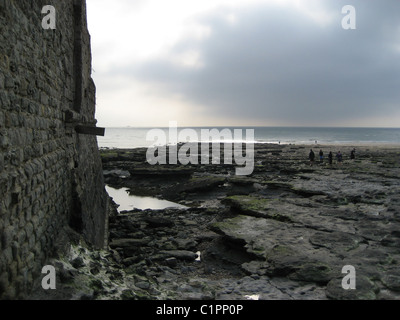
50, 169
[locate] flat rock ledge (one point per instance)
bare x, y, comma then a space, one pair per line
283, 233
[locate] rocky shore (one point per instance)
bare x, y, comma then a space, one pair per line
284, 232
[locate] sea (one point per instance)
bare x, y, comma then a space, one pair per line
130, 137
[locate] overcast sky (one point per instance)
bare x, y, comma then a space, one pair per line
245, 62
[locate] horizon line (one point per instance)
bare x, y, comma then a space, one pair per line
257, 126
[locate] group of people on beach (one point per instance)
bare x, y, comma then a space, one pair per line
339, 156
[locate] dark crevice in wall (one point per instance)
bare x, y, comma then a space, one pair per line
78, 57
75, 219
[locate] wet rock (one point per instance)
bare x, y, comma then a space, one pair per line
146, 170
186, 244
128, 295
242, 180
365, 290
156, 222
143, 285
391, 280
78, 262
131, 260
180, 254
66, 275
116, 173
336, 241
195, 185
128, 243
95, 270
256, 206
290, 226
171, 262
319, 273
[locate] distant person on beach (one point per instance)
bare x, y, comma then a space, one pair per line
330, 157
353, 154
311, 156
321, 156
339, 157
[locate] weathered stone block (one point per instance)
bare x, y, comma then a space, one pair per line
9, 82
2, 119
7, 236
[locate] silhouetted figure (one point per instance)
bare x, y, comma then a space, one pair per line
339, 157
353, 154
321, 156
330, 157
311, 156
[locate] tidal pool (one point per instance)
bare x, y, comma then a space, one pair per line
128, 202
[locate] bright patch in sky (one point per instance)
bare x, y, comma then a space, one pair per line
245, 62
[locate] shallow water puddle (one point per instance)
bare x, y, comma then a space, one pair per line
129, 202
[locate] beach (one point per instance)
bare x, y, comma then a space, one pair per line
288, 231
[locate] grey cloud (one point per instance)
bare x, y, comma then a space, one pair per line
278, 64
